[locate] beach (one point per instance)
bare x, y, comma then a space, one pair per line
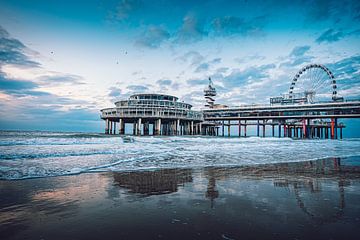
301, 200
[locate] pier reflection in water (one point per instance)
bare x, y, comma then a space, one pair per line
153, 182
305, 200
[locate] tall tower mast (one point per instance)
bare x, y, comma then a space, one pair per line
209, 93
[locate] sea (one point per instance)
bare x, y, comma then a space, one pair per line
38, 154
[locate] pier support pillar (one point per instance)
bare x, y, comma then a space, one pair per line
332, 124
279, 130
146, 128
304, 128
308, 128
158, 127
178, 132
106, 126
121, 126
223, 129
134, 128
110, 127
341, 132
245, 126
272, 130
192, 128
335, 128
239, 128
258, 128
114, 128
264, 128
139, 127
229, 128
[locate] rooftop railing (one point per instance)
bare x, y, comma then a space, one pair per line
131, 112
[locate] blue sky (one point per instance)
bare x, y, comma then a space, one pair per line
62, 61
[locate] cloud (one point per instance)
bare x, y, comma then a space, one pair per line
12, 51
298, 56
347, 72
320, 10
192, 30
153, 37
137, 88
11, 85
238, 77
205, 66
249, 58
114, 92
193, 57
202, 67
164, 82
222, 70
299, 51
215, 61
230, 25
60, 78
329, 36
197, 82
126, 7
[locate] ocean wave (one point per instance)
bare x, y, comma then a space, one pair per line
44, 158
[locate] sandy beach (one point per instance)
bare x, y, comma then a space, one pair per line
305, 200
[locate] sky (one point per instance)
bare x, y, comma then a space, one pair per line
63, 61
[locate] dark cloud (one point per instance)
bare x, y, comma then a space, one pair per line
60, 78
12, 85
249, 58
164, 82
137, 88
114, 92
202, 67
126, 7
298, 56
197, 82
12, 51
192, 30
222, 70
238, 77
329, 36
230, 25
152, 37
215, 61
193, 57
299, 51
205, 66
346, 70
320, 10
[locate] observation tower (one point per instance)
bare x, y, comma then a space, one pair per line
209, 94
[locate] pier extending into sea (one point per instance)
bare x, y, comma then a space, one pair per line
295, 114
155, 114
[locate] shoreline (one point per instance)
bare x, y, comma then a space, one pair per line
288, 200
198, 168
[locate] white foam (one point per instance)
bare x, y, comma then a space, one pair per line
112, 153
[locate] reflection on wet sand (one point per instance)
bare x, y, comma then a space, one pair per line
317, 199
153, 182
300, 177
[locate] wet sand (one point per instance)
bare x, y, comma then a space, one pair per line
307, 200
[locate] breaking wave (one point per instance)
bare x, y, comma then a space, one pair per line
44, 154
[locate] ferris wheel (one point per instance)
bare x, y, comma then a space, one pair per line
314, 82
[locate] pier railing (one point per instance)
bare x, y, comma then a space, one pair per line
131, 112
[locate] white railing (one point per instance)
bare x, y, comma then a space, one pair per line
151, 113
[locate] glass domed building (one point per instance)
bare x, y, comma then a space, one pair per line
152, 114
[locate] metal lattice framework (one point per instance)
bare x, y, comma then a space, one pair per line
311, 80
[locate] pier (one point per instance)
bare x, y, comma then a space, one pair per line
154, 114
294, 115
